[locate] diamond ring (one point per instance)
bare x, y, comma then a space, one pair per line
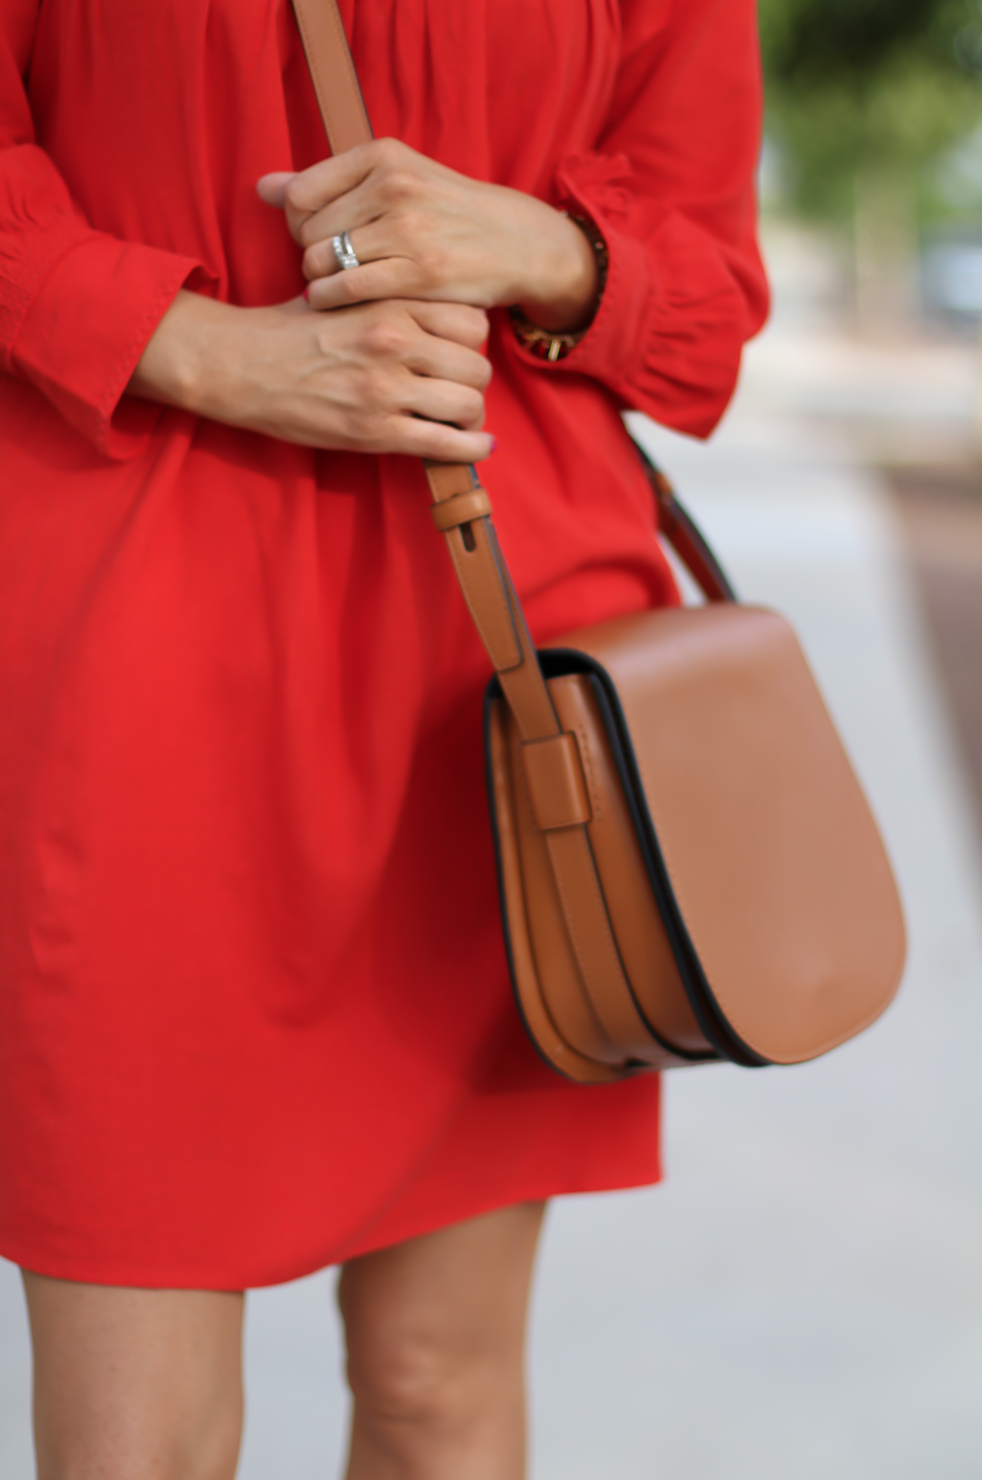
344, 251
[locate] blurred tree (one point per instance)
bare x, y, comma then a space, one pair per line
864, 95
867, 86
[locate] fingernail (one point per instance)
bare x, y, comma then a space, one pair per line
494, 444
306, 292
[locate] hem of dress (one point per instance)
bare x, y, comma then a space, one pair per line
428, 1220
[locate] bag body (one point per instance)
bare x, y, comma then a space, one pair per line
734, 860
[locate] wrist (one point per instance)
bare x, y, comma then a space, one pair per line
551, 341
572, 280
180, 366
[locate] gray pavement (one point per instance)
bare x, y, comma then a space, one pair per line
803, 1296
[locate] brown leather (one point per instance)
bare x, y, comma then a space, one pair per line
555, 782
685, 538
547, 972
768, 842
486, 593
448, 479
643, 944
333, 72
556, 1046
688, 867
460, 508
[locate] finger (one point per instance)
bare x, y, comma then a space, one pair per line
371, 243
443, 360
370, 204
311, 190
272, 188
393, 277
459, 322
356, 208
395, 182
441, 400
419, 438
322, 182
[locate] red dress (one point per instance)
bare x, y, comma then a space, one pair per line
254, 1009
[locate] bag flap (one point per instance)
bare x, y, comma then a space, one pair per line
778, 871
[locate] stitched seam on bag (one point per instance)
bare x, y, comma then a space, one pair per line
556, 875
557, 879
608, 934
608, 939
523, 787
588, 766
568, 916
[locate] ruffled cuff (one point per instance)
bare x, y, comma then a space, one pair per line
669, 330
594, 185
85, 328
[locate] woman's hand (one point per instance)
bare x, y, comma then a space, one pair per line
380, 377
422, 231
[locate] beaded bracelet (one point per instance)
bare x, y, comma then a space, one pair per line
550, 344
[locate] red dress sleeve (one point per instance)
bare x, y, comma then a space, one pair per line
77, 306
672, 187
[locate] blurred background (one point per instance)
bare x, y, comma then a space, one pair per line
803, 1296
871, 185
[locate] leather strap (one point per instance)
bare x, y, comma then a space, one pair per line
461, 510
332, 71
684, 537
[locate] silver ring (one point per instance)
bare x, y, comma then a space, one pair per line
344, 251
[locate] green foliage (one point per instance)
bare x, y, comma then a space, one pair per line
868, 87
818, 42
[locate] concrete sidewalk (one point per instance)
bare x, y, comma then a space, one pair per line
803, 1297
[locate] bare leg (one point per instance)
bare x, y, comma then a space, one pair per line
436, 1335
135, 1384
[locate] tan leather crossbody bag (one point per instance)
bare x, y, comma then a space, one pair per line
688, 868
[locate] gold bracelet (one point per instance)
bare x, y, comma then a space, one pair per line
547, 344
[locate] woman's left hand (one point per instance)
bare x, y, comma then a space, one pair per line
422, 231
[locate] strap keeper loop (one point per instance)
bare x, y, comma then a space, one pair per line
460, 509
556, 783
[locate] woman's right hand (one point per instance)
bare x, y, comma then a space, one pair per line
390, 376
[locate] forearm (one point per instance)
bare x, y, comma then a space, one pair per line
386, 377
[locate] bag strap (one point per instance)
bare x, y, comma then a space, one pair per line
461, 510
332, 70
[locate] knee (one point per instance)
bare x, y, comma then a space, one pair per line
408, 1375
408, 1379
